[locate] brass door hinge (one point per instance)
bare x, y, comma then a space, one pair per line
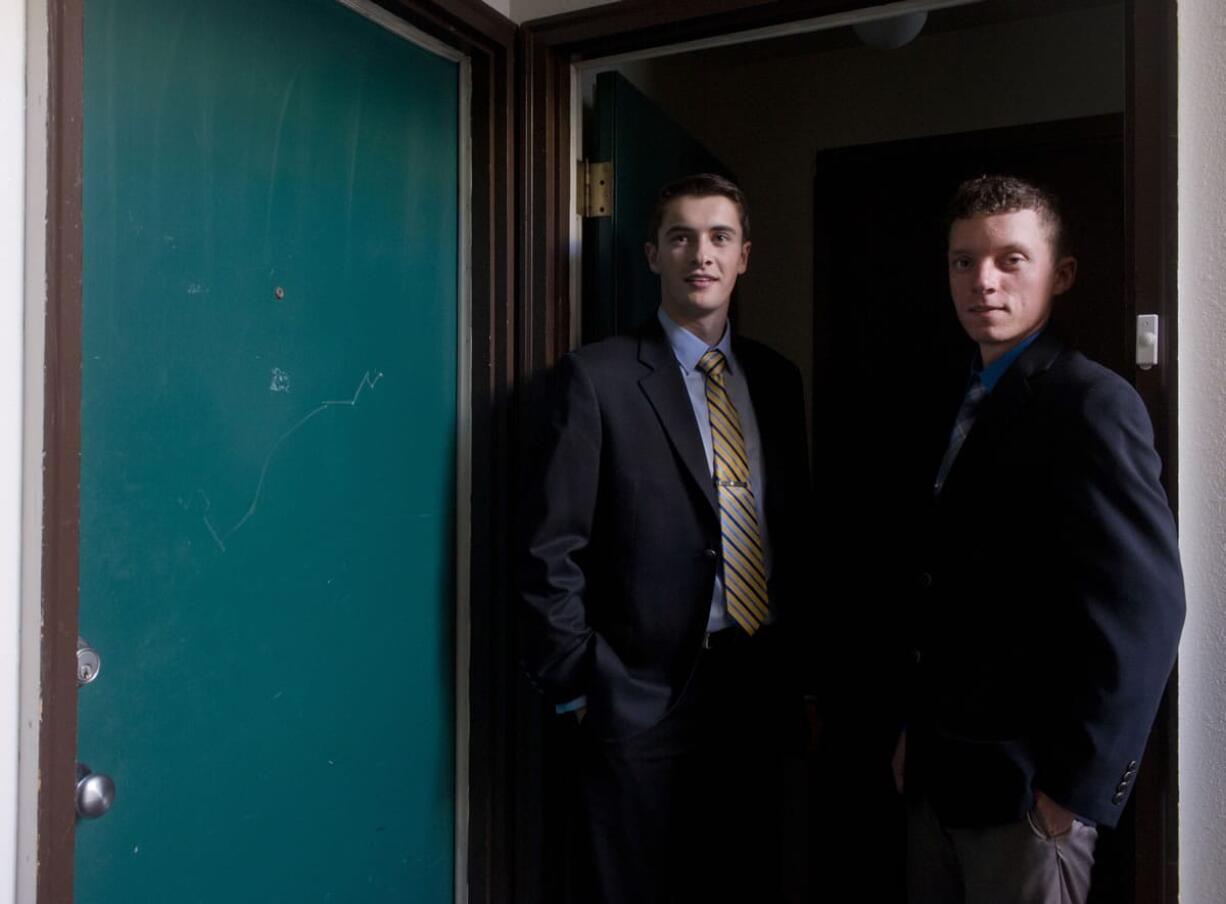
595, 189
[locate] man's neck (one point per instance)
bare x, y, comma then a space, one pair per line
709, 328
990, 352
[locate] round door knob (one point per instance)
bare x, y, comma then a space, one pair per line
95, 793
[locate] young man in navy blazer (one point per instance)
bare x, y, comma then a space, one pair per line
662, 581
1048, 595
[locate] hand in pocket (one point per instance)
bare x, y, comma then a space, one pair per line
1051, 818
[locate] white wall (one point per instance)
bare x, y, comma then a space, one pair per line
1202, 449
526, 10
32, 430
12, 306
503, 6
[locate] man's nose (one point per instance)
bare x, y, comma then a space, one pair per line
985, 277
702, 250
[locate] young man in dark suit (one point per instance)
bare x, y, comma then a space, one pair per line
1048, 593
663, 580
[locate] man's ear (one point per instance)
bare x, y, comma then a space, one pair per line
1066, 275
653, 253
744, 263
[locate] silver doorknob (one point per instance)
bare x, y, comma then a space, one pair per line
89, 663
95, 793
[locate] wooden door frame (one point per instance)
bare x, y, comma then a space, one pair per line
549, 48
488, 40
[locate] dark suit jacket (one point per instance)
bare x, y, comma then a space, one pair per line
622, 527
1048, 597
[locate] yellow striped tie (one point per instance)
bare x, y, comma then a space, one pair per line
744, 561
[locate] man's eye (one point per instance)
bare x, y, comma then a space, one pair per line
679, 240
722, 236
1014, 260
960, 264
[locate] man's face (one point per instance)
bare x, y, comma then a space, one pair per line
699, 252
1003, 275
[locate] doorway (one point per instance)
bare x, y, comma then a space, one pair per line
770, 110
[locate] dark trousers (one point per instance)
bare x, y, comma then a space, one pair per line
857, 831
689, 810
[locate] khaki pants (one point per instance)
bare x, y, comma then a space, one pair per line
1014, 863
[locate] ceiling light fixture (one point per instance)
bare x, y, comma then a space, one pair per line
892, 32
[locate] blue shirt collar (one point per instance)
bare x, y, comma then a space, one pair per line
688, 348
989, 376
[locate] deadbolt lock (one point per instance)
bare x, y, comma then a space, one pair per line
89, 663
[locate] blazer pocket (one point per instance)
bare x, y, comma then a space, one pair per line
981, 780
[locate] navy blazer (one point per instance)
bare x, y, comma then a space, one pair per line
1048, 597
621, 525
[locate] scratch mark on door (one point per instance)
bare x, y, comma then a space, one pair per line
368, 381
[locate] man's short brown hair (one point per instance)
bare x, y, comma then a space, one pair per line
984, 196
699, 185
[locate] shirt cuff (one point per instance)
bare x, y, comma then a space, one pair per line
571, 705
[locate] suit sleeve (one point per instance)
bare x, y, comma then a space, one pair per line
559, 507
1119, 573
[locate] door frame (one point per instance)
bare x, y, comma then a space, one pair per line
486, 39
551, 48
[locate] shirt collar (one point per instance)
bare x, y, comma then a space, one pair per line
989, 376
688, 348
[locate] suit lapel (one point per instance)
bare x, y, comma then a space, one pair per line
1000, 412
665, 390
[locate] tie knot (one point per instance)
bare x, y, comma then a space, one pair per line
713, 364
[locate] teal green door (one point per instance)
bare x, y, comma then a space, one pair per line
268, 454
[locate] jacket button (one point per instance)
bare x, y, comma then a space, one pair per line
710, 554
1132, 766
1117, 798
924, 580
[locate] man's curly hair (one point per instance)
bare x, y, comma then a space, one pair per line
992, 194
